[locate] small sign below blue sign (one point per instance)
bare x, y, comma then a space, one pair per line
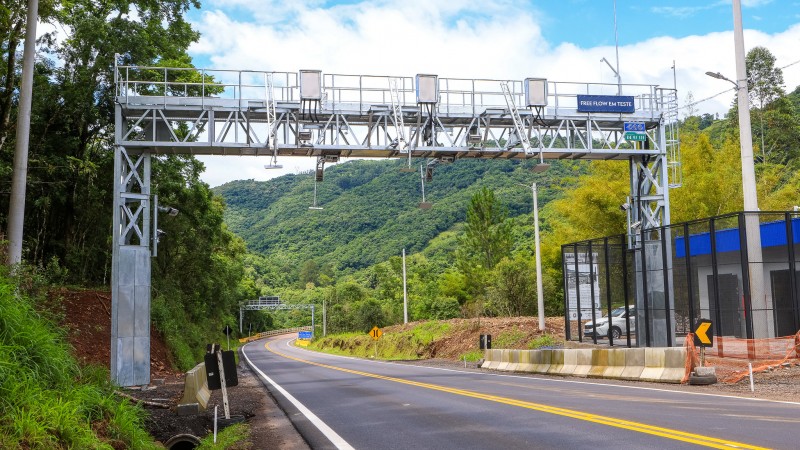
606, 103
304, 335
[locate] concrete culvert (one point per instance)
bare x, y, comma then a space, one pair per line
183, 442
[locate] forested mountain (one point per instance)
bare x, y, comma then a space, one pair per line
371, 207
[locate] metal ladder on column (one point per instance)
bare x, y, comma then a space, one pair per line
397, 116
272, 139
519, 127
668, 102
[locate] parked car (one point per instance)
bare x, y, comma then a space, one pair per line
617, 329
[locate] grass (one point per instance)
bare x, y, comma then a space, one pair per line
233, 437
544, 340
47, 399
406, 345
471, 356
508, 338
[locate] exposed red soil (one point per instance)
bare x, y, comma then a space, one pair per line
87, 320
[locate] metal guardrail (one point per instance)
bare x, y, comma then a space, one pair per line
270, 333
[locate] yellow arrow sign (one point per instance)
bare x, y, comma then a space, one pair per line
701, 332
375, 333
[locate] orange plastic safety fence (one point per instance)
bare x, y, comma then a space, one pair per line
692, 359
791, 350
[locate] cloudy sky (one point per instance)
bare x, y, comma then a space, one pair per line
561, 40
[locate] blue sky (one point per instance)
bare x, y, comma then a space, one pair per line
561, 40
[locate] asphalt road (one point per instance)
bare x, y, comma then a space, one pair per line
352, 403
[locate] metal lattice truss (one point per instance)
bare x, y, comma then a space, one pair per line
133, 198
651, 196
265, 304
281, 307
261, 113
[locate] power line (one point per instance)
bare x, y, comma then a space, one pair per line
706, 99
728, 90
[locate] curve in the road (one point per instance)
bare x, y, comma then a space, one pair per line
707, 441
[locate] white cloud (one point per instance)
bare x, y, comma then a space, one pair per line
453, 38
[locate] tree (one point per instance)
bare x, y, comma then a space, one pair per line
71, 162
513, 290
765, 85
487, 235
764, 80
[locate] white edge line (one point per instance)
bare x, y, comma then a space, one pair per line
552, 380
321, 426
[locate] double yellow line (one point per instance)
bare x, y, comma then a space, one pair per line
677, 435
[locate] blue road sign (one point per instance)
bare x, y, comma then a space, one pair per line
606, 103
304, 335
634, 126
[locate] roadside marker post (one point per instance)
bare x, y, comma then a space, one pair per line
375, 333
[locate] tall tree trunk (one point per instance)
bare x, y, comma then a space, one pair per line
8, 87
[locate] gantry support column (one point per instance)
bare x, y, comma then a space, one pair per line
653, 257
130, 273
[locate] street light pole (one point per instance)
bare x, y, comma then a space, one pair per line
405, 290
756, 298
16, 207
539, 285
745, 130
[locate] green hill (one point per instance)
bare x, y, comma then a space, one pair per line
371, 207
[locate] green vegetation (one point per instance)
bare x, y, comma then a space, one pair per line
545, 340
232, 437
47, 400
410, 344
508, 338
469, 256
471, 356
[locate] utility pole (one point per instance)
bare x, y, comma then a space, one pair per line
16, 207
758, 301
616, 48
405, 291
539, 286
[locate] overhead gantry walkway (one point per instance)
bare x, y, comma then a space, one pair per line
308, 113
312, 114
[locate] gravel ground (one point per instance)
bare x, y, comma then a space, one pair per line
269, 426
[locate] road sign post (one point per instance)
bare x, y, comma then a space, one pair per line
376, 333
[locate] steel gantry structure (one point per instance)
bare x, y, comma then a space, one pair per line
328, 116
273, 304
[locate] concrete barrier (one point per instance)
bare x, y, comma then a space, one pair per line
570, 362
599, 363
541, 360
525, 362
195, 392
556, 362
491, 359
674, 365
505, 360
664, 365
654, 361
634, 363
583, 361
615, 363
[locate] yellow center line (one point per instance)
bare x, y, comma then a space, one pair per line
603, 420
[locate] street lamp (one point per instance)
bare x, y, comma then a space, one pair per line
758, 301
539, 286
720, 76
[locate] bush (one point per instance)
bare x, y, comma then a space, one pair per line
47, 400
